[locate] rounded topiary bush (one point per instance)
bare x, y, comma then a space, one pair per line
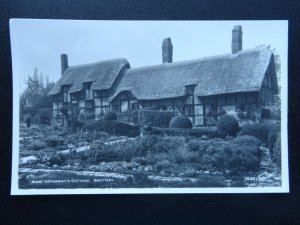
180, 122
110, 116
227, 126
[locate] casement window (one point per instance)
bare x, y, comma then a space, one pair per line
134, 106
66, 95
87, 90
90, 106
189, 110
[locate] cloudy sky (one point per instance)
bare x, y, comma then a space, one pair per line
39, 43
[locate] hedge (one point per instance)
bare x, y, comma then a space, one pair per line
131, 116
113, 127
120, 128
197, 132
156, 118
258, 130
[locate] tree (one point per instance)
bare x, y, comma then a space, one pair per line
35, 100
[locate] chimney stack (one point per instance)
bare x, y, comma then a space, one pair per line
237, 40
167, 51
64, 63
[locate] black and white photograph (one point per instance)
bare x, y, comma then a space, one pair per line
112, 107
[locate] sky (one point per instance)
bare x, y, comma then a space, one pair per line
39, 43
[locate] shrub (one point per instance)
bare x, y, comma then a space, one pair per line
57, 159
119, 151
121, 129
110, 116
130, 116
162, 164
157, 118
277, 152
44, 115
65, 110
247, 140
37, 145
94, 126
239, 155
197, 132
90, 116
168, 144
75, 124
53, 141
227, 126
258, 130
180, 122
182, 155
242, 154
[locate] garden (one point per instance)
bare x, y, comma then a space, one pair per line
148, 149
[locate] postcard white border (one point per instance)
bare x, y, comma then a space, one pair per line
15, 190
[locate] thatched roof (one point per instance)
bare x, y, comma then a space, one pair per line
102, 74
230, 73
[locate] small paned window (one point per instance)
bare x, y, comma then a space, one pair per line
134, 106
189, 110
88, 91
66, 95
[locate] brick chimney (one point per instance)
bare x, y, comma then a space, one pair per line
64, 63
167, 51
237, 39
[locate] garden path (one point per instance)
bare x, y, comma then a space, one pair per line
268, 174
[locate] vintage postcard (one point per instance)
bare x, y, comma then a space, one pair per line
114, 107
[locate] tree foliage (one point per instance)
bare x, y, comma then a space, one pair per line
35, 96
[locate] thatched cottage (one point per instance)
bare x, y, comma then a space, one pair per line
195, 88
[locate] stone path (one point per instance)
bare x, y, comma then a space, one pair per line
268, 174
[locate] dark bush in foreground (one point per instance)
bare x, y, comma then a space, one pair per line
227, 126
65, 110
94, 126
44, 115
277, 153
53, 141
247, 140
243, 155
197, 132
113, 127
258, 130
121, 129
180, 122
157, 118
110, 116
37, 145
75, 124
238, 156
130, 116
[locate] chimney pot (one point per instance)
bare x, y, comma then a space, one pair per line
237, 39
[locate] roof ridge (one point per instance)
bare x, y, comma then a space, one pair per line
94, 63
214, 57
